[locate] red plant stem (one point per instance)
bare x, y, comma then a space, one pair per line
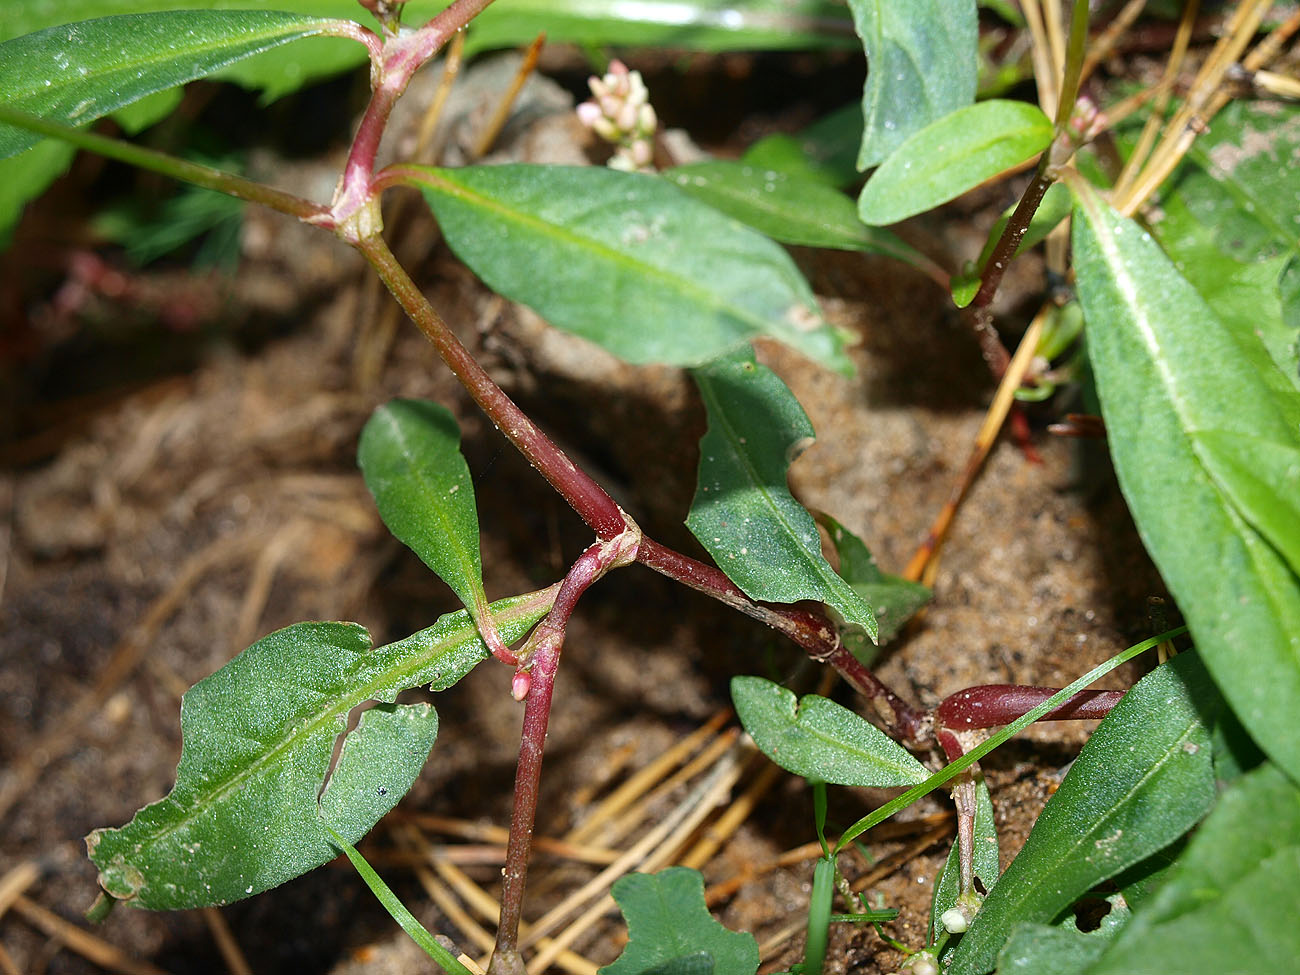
543, 649
583, 494
997, 704
811, 631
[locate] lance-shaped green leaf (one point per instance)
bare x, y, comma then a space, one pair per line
893, 599
76, 73
1167, 367
1143, 779
410, 457
701, 25
257, 740
952, 155
987, 864
628, 261
921, 65
791, 209
819, 739
826, 151
1230, 903
669, 926
743, 513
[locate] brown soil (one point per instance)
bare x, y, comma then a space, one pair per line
173, 494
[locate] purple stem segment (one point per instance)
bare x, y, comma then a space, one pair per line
542, 655
997, 704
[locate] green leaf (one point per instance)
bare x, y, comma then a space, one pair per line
987, 865
1247, 297
1230, 903
668, 922
743, 512
893, 599
76, 73
825, 151
1242, 180
275, 73
1054, 208
1166, 367
790, 209
397, 910
26, 177
700, 25
628, 261
1044, 949
819, 739
952, 155
921, 65
410, 457
1262, 478
1143, 779
257, 740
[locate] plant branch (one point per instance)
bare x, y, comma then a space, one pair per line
541, 655
812, 631
160, 162
583, 494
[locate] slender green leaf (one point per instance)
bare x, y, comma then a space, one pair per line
921, 65
997, 739
826, 151
893, 599
257, 740
667, 921
410, 457
275, 73
702, 25
1248, 297
1143, 779
1262, 478
397, 910
791, 209
1165, 367
952, 155
819, 916
743, 512
819, 739
628, 261
1230, 903
986, 862
78, 72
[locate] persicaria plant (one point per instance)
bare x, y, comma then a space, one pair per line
1190, 315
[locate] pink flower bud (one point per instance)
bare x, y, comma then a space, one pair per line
589, 114
520, 685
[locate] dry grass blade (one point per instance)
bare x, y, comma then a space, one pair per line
489, 135
498, 835
231, 953
887, 865
77, 939
645, 780
7, 964
924, 564
15, 883
1100, 48
693, 808
713, 792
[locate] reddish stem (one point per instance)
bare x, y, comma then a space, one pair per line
812, 631
542, 652
997, 704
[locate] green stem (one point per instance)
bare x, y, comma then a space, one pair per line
160, 162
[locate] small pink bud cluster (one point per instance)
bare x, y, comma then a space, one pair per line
620, 112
